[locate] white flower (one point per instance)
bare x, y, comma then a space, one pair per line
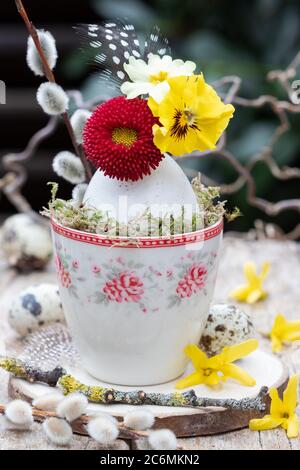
139, 419
162, 439
58, 431
49, 48
151, 78
103, 430
78, 121
52, 98
19, 412
73, 406
69, 167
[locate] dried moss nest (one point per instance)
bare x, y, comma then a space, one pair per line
87, 219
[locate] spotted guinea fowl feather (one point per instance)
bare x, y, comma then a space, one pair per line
155, 43
112, 43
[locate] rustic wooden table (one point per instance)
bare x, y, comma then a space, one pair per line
283, 284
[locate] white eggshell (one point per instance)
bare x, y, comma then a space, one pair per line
34, 307
165, 191
226, 325
26, 243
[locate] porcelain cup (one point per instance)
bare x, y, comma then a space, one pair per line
132, 305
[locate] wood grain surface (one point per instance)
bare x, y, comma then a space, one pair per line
283, 286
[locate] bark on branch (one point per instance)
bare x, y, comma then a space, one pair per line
50, 76
105, 395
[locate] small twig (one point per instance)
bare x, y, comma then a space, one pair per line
30, 374
50, 76
105, 395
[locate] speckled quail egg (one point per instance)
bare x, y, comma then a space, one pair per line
26, 242
34, 307
226, 325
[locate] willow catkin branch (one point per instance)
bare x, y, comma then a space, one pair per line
79, 425
33, 33
106, 395
50, 76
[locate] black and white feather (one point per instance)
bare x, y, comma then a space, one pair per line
112, 43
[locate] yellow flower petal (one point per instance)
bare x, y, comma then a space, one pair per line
293, 325
290, 395
211, 371
276, 344
267, 422
196, 355
237, 351
282, 412
255, 295
213, 379
293, 426
264, 270
276, 408
291, 336
253, 290
193, 379
240, 293
153, 106
283, 330
192, 114
235, 372
250, 272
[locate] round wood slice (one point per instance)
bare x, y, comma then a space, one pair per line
267, 370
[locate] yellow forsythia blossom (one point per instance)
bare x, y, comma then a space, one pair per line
283, 331
253, 290
211, 371
282, 412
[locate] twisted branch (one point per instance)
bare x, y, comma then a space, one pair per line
13, 181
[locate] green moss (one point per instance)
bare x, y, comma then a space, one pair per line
13, 366
69, 384
86, 219
178, 399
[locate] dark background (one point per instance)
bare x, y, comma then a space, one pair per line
240, 37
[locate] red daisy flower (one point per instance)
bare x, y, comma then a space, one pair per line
118, 139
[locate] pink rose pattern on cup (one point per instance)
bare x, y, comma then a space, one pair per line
125, 287
120, 281
67, 270
63, 274
193, 281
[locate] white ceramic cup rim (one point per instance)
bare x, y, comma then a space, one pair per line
132, 242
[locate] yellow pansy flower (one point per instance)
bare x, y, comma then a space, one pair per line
282, 412
253, 290
211, 371
191, 114
283, 330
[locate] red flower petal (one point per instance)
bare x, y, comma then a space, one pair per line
122, 120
